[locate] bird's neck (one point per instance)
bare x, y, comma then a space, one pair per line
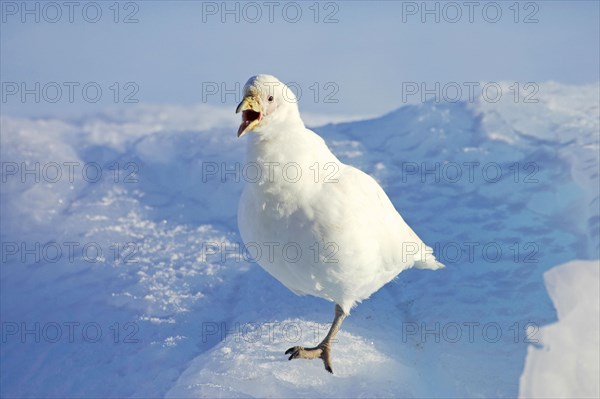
289, 162
277, 137
277, 143
281, 124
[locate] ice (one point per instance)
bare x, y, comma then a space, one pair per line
566, 362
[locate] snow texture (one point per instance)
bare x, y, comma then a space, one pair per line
567, 364
157, 307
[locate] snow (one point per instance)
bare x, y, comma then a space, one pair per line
224, 370
567, 362
170, 270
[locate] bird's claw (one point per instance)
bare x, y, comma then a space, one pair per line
294, 352
321, 352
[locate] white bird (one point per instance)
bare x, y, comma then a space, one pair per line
318, 226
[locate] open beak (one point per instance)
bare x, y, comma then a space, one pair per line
251, 114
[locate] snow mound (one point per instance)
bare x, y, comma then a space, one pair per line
568, 362
169, 264
251, 363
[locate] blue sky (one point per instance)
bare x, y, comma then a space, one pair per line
179, 52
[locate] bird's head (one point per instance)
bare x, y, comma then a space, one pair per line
267, 102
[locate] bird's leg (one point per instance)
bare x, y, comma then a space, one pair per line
322, 350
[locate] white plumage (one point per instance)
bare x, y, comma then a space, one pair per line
323, 228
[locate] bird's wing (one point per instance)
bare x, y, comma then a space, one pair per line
356, 214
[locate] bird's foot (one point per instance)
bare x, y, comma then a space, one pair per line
321, 351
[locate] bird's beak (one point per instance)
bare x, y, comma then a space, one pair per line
251, 115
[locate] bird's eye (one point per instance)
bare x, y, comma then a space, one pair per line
270, 98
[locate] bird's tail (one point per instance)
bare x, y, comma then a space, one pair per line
428, 261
